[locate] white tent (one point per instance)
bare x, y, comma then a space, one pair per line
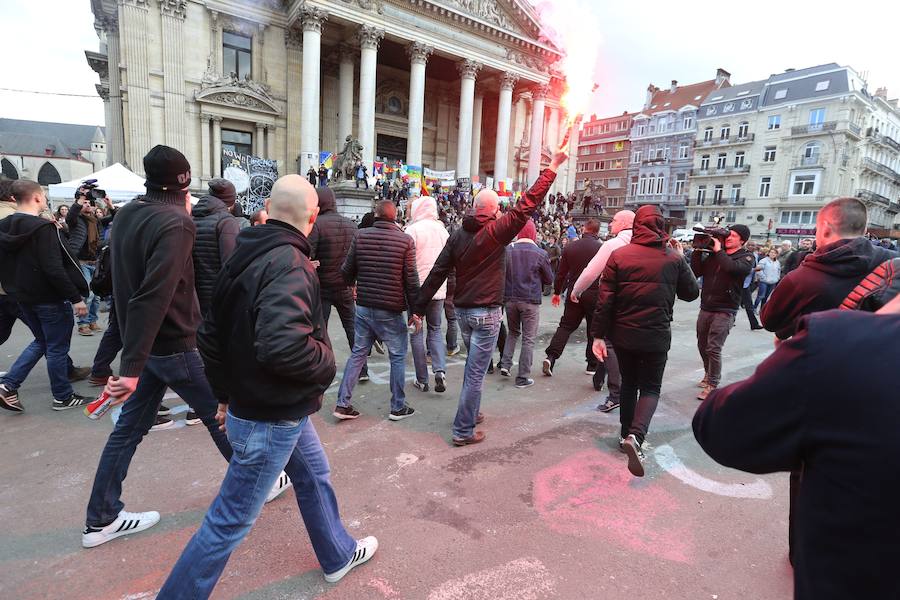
121, 185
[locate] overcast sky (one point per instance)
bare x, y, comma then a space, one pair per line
651, 42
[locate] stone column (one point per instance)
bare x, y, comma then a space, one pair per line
345, 93
271, 153
313, 18
519, 133
552, 141
504, 110
294, 42
256, 45
418, 56
369, 39
259, 141
173, 15
216, 41
205, 162
115, 131
538, 94
217, 147
134, 38
468, 70
475, 167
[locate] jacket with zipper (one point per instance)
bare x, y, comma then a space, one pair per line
430, 237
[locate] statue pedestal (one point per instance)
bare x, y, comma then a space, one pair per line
352, 202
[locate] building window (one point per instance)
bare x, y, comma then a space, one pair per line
704, 162
769, 154
739, 159
48, 174
781, 94
636, 156
718, 193
721, 160
708, 134
803, 184
698, 216
613, 184
642, 190
743, 130
735, 191
236, 54
726, 131
701, 195
684, 149
237, 141
618, 164
822, 85
688, 122
731, 216
798, 217
765, 186
811, 153
817, 116
660, 184
634, 186
774, 122
641, 129
680, 181
9, 171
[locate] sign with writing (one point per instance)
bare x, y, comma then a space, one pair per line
794, 231
441, 175
252, 176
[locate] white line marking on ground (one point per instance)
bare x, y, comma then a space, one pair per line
667, 459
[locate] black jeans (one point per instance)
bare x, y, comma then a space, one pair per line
452, 323
641, 372
573, 313
109, 347
747, 303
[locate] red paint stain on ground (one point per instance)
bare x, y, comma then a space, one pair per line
593, 494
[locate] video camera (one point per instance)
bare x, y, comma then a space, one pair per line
703, 237
90, 189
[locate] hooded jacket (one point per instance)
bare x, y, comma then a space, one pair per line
821, 282
36, 264
638, 288
723, 278
216, 237
478, 252
430, 237
263, 341
330, 241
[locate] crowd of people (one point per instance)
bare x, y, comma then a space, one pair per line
235, 319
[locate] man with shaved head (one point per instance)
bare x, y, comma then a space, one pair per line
269, 361
478, 253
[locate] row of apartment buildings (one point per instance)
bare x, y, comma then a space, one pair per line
767, 154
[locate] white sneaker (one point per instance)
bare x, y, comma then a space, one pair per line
283, 483
365, 549
125, 524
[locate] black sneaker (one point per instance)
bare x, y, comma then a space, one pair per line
590, 370
440, 384
420, 385
399, 415
524, 383
191, 418
379, 346
635, 455
548, 366
609, 405
162, 423
9, 399
74, 401
453, 351
491, 368
345, 412
364, 375
164, 410
504, 371
79, 374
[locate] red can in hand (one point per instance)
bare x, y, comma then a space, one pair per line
100, 406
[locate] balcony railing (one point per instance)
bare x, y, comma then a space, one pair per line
870, 196
729, 141
877, 167
814, 128
884, 140
721, 172
655, 161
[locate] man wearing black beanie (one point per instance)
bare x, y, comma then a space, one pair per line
158, 316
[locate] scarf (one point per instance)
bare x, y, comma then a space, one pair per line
93, 233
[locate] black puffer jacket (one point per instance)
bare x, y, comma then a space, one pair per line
382, 262
264, 344
330, 241
575, 258
821, 282
216, 237
638, 288
723, 278
478, 252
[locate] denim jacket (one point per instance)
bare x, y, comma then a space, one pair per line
527, 271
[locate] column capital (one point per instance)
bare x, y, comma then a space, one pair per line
418, 52
540, 92
468, 69
205, 117
293, 39
508, 81
103, 92
138, 3
173, 8
370, 37
216, 118
347, 53
107, 24
313, 18
261, 125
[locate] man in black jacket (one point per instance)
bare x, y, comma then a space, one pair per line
575, 258
39, 270
478, 253
269, 373
723, 270
842, 258
382, 262
84, 240
634, 311
825, 401
216, 237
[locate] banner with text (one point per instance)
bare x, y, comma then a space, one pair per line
252, 176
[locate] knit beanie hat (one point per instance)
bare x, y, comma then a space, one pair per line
168, 175
742, 230
223, 190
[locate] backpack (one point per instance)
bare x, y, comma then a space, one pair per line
101, 283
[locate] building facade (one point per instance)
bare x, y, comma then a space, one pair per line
662, 146
451, 85
603, 153
50, 152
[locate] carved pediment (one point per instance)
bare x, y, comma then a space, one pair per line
238, 96
486, 10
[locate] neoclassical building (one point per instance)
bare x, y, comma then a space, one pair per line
463, 85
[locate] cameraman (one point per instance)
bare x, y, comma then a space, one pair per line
84, 239
723, 266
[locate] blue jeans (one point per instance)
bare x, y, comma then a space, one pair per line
93, 301
523, 319
480, 327
435, 342
261, 451
762, 295
183, 373
389, 327
51, 324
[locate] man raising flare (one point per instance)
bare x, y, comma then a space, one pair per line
478, 253
268, 395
